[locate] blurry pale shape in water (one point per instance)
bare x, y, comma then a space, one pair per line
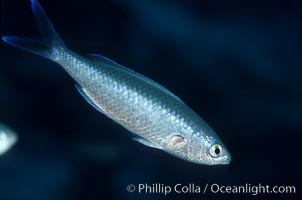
7, 139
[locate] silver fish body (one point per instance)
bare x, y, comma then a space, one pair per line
7, 139
156, 116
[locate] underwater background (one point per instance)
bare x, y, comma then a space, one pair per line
236, 63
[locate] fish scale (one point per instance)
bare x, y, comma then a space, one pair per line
157, 117
126, 97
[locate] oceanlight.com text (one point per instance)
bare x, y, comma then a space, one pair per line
214, 188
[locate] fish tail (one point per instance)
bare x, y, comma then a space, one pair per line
47, 45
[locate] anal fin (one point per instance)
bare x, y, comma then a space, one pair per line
88, 98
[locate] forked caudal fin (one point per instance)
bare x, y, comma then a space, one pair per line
50, 39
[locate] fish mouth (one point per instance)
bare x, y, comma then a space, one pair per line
225, 160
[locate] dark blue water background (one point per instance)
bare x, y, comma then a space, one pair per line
236, 63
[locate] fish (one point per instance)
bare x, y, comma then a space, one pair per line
7, 138
156, 117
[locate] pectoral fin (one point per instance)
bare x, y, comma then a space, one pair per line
146, 142
177, 141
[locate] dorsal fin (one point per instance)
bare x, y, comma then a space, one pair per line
100, 58
103, 59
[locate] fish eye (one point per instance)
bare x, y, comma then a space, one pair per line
215, 150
